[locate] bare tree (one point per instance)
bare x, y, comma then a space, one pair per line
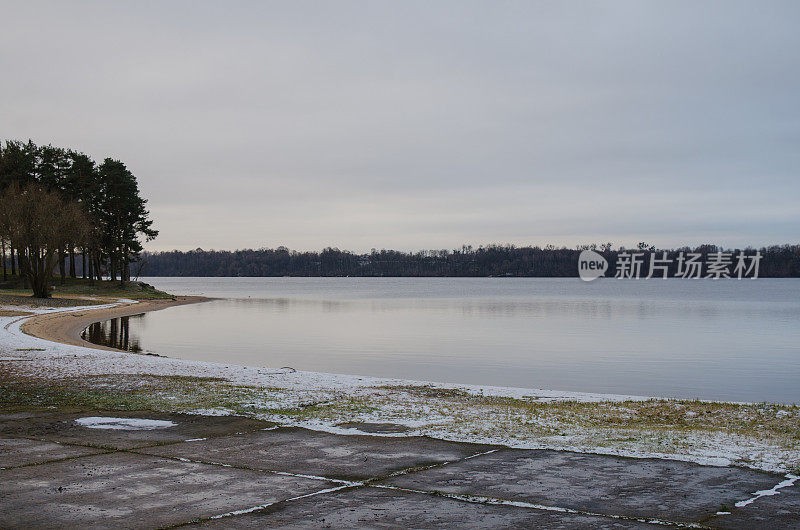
40, 223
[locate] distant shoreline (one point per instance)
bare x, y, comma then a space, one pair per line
66, 327
774, 261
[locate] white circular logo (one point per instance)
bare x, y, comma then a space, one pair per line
591, 265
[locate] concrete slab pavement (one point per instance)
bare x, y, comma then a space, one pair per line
291, 477
295, 450
665, 489
63, 428
382, 508
15, 452
135, 491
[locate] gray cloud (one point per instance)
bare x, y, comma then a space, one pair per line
419, 124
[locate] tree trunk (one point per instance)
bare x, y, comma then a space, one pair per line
39, 284
13, 264
29, 272
5, 273
83, 267
98, 268
62, 265
72, 262
123, 268
39, 267
23, 264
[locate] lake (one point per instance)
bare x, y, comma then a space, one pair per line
727, 339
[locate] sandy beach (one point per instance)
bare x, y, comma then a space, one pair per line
66, 327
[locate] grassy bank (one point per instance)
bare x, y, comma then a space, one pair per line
78, 287
752, 435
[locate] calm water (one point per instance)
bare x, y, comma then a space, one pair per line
737, 340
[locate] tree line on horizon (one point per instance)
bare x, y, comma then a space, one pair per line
58, 206
485, 261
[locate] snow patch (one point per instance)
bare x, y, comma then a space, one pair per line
123, 424
790, 480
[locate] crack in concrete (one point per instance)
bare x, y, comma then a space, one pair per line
56, 460
260, 507
415, 469
246, 468
265, 506
479, 499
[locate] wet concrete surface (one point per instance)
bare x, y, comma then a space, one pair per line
349, 457
248, 477
374, 507
62, 428
15, 452
130, 490
776, 511
677, 491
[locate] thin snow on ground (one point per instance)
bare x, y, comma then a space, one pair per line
123, 424
39, 310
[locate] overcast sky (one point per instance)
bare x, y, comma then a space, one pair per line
417, 125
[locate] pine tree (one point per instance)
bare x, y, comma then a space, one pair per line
17, 166
123, 217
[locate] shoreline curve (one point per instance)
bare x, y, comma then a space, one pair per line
66, 327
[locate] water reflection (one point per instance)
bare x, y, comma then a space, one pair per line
114, 333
